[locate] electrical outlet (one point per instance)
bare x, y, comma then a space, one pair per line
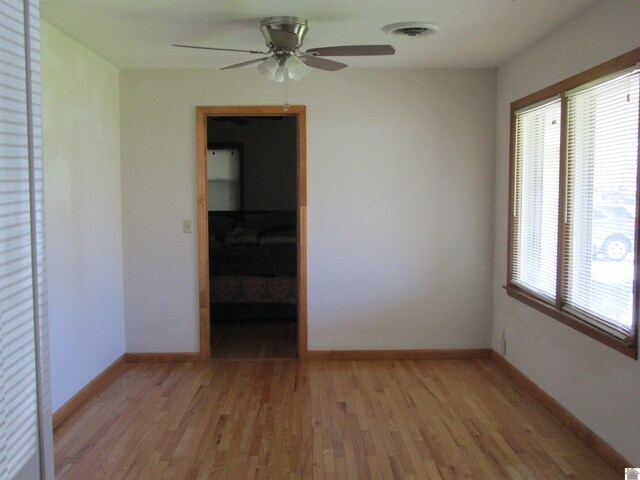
187, 226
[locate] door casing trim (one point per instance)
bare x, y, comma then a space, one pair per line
202, 114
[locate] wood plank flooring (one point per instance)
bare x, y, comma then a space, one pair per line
247, 338
284, 419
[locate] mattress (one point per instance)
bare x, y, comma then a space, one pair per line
253, 289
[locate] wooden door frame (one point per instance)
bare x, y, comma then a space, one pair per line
204, 298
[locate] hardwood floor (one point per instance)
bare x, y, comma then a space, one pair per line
245, 339
284, 419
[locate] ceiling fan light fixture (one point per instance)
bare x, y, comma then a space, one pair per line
274, 68
269, 67
279, 74
296, 69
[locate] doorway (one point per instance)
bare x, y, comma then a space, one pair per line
239, 215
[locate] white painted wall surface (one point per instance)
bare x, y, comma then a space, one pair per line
400, 203
598, 385
82, 212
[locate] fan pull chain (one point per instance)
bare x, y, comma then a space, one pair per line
285, 107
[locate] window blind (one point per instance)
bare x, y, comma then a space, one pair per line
602, 164
21, 211
536, 183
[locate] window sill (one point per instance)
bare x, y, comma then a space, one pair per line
573, 321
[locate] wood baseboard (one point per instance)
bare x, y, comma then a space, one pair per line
162, 357
584, 433
444, 354
90, 390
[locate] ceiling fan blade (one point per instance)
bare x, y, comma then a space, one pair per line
352, 50
219, 49
323, 63
242, 64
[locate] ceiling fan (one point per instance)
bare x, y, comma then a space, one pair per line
284, 37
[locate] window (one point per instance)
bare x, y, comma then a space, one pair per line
573, 202
536, 206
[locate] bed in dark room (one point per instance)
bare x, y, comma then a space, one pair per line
252, 258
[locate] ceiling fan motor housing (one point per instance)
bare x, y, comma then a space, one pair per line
284, 34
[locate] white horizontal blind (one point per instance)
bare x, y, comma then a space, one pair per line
536, 183
602, 156
18, 392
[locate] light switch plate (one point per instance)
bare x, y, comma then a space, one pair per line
187, 226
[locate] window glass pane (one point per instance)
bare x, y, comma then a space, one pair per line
535, 222
223, 180
601, 202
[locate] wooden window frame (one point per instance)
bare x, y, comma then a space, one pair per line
555, 310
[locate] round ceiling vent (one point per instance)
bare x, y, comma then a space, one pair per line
411, 29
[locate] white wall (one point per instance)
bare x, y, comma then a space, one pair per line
82, 212
597, 384
400, 199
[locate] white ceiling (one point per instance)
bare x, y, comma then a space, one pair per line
472, 34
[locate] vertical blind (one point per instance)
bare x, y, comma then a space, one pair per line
602, 163
21, 242
535, 215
